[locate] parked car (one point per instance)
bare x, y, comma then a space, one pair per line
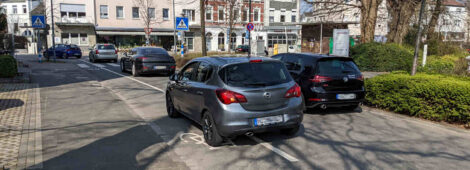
231, 96
64, 51
148, 60
326, 81
103, 52
242, 48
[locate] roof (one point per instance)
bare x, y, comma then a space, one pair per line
13, 1
453, 3
220, 61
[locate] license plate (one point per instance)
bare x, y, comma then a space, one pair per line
160, 67
263, 121
77, 53
345, 96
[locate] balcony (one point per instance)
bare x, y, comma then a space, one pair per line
76, 21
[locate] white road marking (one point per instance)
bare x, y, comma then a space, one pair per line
114, 65
274, 149
99, 65
83, 66
158, 130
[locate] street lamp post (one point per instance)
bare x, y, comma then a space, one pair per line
53, 33
174, 28
249, 35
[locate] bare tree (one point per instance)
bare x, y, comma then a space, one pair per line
231, 21
401, 11
202, 4
367, 8
436, 12
148, 14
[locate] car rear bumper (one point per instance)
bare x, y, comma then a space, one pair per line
106, 57
74, 53
156, 68
232, 120
330, 99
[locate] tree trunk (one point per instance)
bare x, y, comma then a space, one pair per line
434, 18
369, 10
231, 4
401, 12
203, 27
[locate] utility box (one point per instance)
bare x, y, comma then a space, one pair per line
260, 48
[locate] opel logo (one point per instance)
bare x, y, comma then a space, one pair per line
345, 79
267, 95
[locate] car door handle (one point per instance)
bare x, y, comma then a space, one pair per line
199, 92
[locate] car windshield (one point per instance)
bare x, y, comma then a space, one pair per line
255, 74
106, 47
147, 51
337, 66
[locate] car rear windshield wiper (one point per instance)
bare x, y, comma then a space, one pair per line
255, 84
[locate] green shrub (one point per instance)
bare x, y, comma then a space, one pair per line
8, 66
447, 64
433, 97
382, 57
440, 48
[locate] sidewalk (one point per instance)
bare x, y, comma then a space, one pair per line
20, 124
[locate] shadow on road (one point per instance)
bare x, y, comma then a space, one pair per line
10, 103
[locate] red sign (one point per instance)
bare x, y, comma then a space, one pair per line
148, 30
250, 26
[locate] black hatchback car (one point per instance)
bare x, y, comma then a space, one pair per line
326, 81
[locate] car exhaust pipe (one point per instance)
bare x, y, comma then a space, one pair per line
249, 133
323, 106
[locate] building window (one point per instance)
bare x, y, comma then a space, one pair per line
221, 41
15, 9
119, 12
243, 38
293, 18
25, 10
190, 14
151, 13
209, 13
271, 18
165, 14
104, 11
457, 23
283, 18
75, 38
221, 13
245, 15
256, 15
189, 43
281, 39
233, 40
135, 12
72, 11
236, 14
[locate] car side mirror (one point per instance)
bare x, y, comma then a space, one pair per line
174, 77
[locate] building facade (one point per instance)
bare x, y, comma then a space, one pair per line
453, 21
18, 16
282, 24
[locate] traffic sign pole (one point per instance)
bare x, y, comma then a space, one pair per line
249, 35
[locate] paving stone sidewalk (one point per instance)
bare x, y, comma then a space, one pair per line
20, 125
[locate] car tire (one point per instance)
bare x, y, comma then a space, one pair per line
134, 71
211, 135
170, 108
92, 60
122, 67
290, 131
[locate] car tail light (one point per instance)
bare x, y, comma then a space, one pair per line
97, 52
320, 79
294, 91
361, 78
229, 97
256, 61
67, 50
116, 51
172, 67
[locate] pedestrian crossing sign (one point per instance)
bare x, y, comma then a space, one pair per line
38, 21
182, 24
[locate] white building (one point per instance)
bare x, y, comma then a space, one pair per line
452, 24
282, 19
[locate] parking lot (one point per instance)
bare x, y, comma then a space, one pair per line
96, 117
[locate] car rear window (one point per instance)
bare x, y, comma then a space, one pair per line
255, 74
147, 51
106, 47
337, 66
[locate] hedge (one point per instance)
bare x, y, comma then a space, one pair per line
8, 66
382, 57
433, 97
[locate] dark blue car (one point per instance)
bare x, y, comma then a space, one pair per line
64, 51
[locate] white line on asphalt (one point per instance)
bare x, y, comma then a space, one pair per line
114, 65
158, 130
83, 66
99, 65
274, 149
153, 87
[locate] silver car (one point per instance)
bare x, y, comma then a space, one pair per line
231, 96
103, 52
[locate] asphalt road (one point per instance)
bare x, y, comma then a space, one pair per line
95, 117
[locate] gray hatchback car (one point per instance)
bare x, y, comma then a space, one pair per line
231, 96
